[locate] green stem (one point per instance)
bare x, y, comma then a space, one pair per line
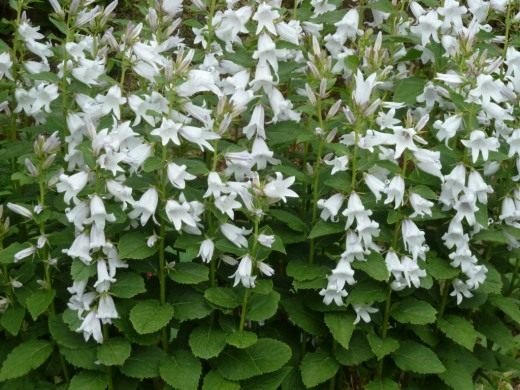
316, 181
508, 28
444, 299
244, 309
110, 378
384, 328
162, 252
514, 277
212, 7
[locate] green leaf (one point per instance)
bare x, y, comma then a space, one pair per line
133, 246
508, 305
144, 363
382, 347
368, 292
270, 381
459, 330
407, 90
304, 271
440, 269
242, 339
114, 352
493, 283
189, 273
62, 335
83, 357
11, 320
359, 351
383, 6
88, 380
128, 285
494, 329
301, 316
382, 384
488, 235
24, 358
341, 326
317, 367
207, 341
291, 220
374, 266
214, 381
415, 357
189, 304
149, 316
39, 301
222, 296
460, 366
414, 311
80, 271
7, 254
322, 228
266, 356
262, 306
181, 370
152, 163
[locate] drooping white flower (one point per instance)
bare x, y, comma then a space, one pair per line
179, 214
80, 248
420, 205
91, 326
330, 207
395, 191
427, 27
106, 309
120, 192
413, 239
206, 250
72, 185
278, 189
243, 274
235, 234
98, 213
355, 210
265, 16
145, 207
5, 65
460, 290
363, 313
364, 87
478, 186
227, 203
178, 176
265, 268
375, 185
266, 240
333, 293
466, 208
338, 164
480, 144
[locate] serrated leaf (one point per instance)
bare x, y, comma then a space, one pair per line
304, 271
152, 163
382, 347
459, 330
262, 306
128, 285
82, 357
368, 292
89, 380
181, 370
266, 356
317, 367
440, 269
270, 381
291, 220
322, 228
414, 311
11, 320
62, 335
304, 318
150, 316
494, 329
114, 352
24, 358
189, 304
214, 381
144, 363
133, 246
341, 326
508, 305
222, 296
382, 384
189, 273
207, 341
415, 357
359, 351
407, 90
374, 266
242, 339
39, 301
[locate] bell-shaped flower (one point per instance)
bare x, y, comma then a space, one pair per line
72, 185
278, 189
460, 290
333, 293
355, 210
168, 131
112, 101
227, 203
454, 183
199, 81
466, 208
120, 192
243, 274
98, 213
106, 309
480, 144
266, 240
478, 186
413, 239
448, 128
363, 313
290, 32
256, 123
375, 185
338, 164
103, 277
455, 235
235, 234
179, 214
421, 206
145, 207
206, 249
395, 191
177, 175
261, 154
342, 274
330, 207
427, 27
91, 326
5, 66
215, 185
265, 16
363, 90
78, 215
80, 248
265, 268
199, 136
